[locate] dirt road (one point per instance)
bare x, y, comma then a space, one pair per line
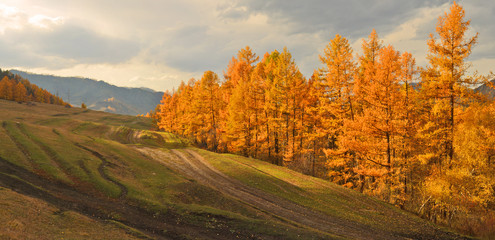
191, 164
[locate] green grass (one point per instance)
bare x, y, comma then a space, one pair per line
10, 151
311, 192
40, 160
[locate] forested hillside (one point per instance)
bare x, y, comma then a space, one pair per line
97, 95
15, 88
359, 122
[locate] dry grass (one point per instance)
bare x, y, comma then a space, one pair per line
23, 217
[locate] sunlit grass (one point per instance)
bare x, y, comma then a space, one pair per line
311, 192
39, 159
11, 153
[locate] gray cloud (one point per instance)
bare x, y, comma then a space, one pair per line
70, 42
351, 18
190, 48
192, 36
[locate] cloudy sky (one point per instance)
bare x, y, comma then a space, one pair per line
158, 43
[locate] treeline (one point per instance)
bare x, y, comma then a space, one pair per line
15, 88
419, 138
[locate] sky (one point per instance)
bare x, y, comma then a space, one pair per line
158, 43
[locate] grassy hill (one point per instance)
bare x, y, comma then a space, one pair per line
81, 174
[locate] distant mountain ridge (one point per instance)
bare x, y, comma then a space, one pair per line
97, 95
487, 90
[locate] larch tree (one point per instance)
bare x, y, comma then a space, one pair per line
238, 127
367, 68
257, 103
273, 94
336, 101
448, 90
239, 95
6, 88
294, 92
19, 92
315, 134
207, 105
285, 86
187, 122
371, 139
167, 113
445, 81
339, 71
410, 115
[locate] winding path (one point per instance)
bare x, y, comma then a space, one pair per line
194, 166
101, 170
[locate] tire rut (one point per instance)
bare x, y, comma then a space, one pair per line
21, 147
101, 170
161, 225
66, 198
194, 166
50, 153
292, 211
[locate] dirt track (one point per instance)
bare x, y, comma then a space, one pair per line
196, 167
66, 197
101, 170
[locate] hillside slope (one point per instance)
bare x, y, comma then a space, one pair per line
97, 95
81, 167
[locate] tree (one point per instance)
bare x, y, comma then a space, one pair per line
256, 107
239, 94
339, 77
371, 139
271, 108
207, 105
6, 88
367, 68
335, 99
448, 147
167, 113
20, 92
185, 124
411, 114
445, 81
285, 85
315, 133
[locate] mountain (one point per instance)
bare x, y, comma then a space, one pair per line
486, 90
72, 173
97, 95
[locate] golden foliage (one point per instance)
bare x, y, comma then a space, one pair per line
364, 122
